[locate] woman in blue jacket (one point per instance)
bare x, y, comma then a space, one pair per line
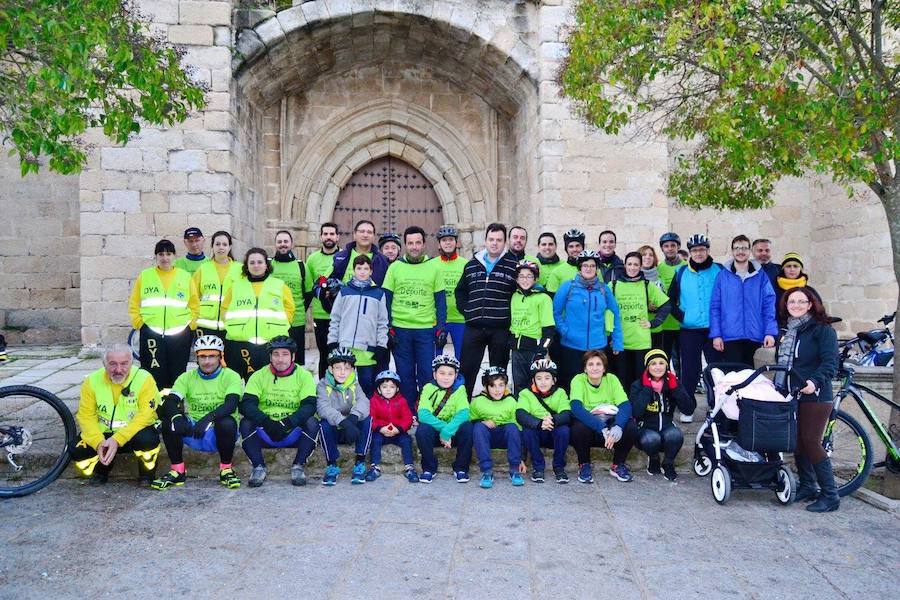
579, 309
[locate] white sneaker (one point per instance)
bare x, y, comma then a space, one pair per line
686, 418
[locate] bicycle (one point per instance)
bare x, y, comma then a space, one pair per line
870, 348
846, 442
134, 340
36, 432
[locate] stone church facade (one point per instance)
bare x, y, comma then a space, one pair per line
423, 111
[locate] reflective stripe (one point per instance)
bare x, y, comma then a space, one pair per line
262, 312
113, 424
87, 465
258, 341
211, 324
169, 331
163, 302
210, 298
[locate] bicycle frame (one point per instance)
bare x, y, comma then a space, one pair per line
851, 388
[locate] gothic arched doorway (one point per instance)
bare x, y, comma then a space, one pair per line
393, 195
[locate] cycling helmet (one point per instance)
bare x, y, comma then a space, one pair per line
543, 365
527, 264
698, 239
341, 354
209, 342
669, 236
573, 235
390, 236
492, 373
444, 360
586, 255
282, 341
387, 376
447, 231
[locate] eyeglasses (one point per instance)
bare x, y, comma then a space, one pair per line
741, 248
526, 276
797, 302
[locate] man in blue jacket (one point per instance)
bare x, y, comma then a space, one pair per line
363, 243
742, 308
690, 294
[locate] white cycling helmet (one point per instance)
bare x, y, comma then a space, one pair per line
209, 342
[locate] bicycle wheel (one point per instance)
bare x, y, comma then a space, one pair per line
134, 340
850, 449
36, 432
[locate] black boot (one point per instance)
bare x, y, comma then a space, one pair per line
808, 489
828, 497
100, 475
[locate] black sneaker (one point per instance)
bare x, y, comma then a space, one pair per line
146, 476
561, 475
653, 466
100, 477
669, 471
537, 476
171, 479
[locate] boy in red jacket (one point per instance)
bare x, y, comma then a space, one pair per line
391, 420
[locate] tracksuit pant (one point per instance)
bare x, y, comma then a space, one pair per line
506, 436
427, 439
254, 439
557, 438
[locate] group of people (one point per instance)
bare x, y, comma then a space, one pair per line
587, 339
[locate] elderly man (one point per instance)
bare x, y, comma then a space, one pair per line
116, 412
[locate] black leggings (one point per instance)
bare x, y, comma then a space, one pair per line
583, 438
320, 328
245, 358
226, 438
669, 441
165, 357
811, 420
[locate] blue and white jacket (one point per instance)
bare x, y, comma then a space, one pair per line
691, 293
742, 309
580, 314
359, 317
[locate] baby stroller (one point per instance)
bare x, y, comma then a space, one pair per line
742, 439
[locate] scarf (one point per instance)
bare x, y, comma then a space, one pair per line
588, 283
414, 261
572, 261
286, 257
650, 274
548, 261
448, 257
701, 266
789, 284
257, 278
786, 349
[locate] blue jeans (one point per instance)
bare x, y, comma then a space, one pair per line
427, 438
558, 439
456, 332
502, 436
254, 439
332, 436
413, 353
404, 440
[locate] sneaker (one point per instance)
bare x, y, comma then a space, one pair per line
621, 472
561, 475
487, 480
412, 476
653, 466
100, 475
426, 477
462, 477
257, 476
229, 479
537, 476
686, 418
331, 475
169, 480
516, 478
585, 473
146, 476
669, 471
373, 473
359, 473
298, 475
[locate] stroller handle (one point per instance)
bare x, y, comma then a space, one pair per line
760, 371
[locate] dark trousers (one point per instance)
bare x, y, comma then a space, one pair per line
629, 366
404, 440
568, 362
521, 369
693, 344
165, 356
811, 420
506, 436
557, 438
226, 437
475, 340
298, 334
427, 439
584, 438
413, 353
366, 377
253, 442
738, 351
245, 358
668, 441
457, 331
144, 440
332, 436
320, 328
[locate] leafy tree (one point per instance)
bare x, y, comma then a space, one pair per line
67, 65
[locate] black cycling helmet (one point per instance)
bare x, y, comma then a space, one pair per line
282, 341
390, 236
528, 264
698, 239
543, 365
492, 373
586, 255
447, 231
444, 360
573, 235
341, 354
669, 236
387, 375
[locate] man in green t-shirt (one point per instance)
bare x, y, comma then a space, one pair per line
278, 411
450, 265
199, 413
193, 243
320, 264
291, 270
417, 310
547, 257
573, 241
669, 243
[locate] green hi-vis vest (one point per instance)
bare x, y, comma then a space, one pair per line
256, 319
165, 312
113, 416
212, 291
292, 274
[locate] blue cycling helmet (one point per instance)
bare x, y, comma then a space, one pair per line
387, 375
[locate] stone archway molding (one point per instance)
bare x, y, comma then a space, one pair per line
387, 127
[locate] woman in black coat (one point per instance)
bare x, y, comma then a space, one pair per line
654, 398
808, 345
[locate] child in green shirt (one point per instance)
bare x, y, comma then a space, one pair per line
544, 413
493, 412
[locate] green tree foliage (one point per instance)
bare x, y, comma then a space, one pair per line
67, 65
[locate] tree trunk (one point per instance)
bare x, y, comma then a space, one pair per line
891, 201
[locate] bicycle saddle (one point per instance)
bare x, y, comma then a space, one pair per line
876, 336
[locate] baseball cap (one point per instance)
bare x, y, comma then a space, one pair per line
193, 232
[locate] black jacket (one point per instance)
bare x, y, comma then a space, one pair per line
612, 268
654, 411
484, 299
815, 359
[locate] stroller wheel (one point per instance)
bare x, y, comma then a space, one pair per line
720, 482
702, 465
787, 486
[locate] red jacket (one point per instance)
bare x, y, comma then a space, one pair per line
384, 411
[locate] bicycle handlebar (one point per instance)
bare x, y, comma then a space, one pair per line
887, 319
